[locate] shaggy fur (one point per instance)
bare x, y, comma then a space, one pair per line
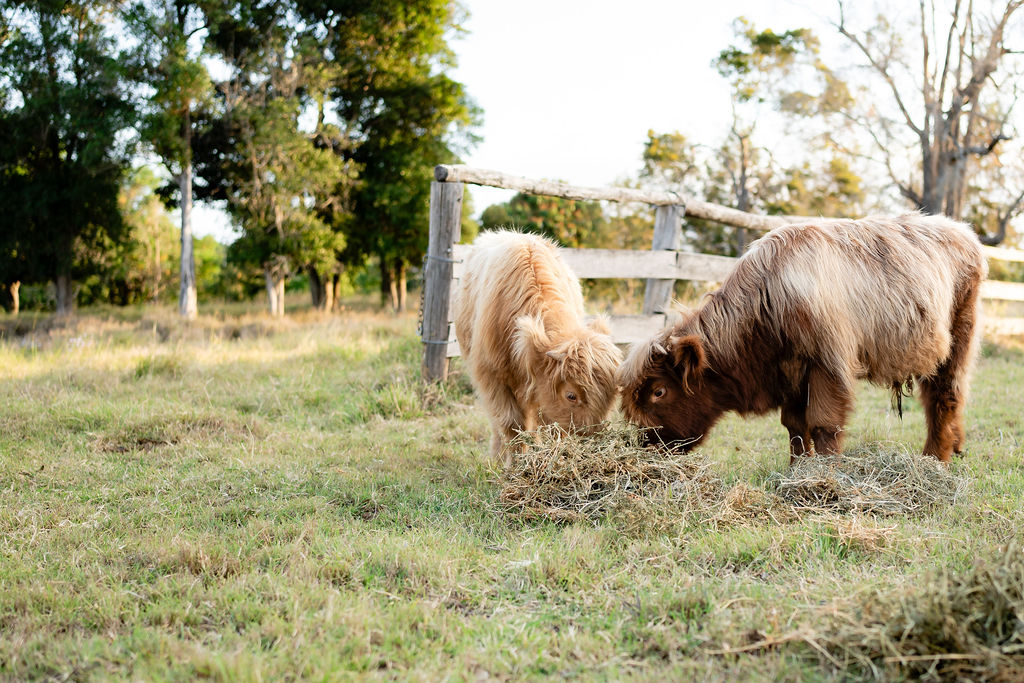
519, 322
809, 309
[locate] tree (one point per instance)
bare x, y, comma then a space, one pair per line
399, 116
149, 262
745, 175
942, 99
736, 173
279, 181
834, 190
569, 222
63, 155
753, 69
179, 81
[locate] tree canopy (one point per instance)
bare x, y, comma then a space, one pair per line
64, 153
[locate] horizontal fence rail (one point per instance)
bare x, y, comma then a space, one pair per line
660, 267
620, 264
694, 207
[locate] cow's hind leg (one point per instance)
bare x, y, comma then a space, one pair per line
829, 400
944, 394
794, 419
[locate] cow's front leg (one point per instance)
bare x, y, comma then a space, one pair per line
794, 419
507, 420
829, 400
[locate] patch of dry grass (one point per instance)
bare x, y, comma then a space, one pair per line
882, 479
946, 627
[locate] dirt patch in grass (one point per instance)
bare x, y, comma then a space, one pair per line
880, 479
157, 432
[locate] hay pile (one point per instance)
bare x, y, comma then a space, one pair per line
568, 477
880, 479
611, 474
967, 627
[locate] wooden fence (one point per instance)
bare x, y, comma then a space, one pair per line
661, 266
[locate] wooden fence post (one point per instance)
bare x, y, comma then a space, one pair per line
445, 228
668, 234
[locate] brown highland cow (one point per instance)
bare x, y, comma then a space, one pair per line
519, 322
808, 310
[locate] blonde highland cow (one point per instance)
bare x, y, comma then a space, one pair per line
531, 356
809, 309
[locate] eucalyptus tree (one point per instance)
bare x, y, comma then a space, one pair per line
399, 114
170, 35
279, 178
963, 70
924, 96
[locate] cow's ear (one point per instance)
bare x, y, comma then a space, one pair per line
531, 341
600, 324
688, 355
658, 354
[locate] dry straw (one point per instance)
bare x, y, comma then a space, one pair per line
949, 626
569, 477
612, 474
882, 479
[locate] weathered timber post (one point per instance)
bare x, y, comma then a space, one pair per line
668, 234
445, 228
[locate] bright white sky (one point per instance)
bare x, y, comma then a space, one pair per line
569, 88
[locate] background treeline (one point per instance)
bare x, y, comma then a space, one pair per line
315, 125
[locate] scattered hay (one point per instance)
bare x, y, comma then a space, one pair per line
864, 535
948, 627
744, 503
875, 478
570, 477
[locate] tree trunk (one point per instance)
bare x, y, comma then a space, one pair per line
14, 288
65, 299
388, 286
317, 290
743, 192
156, 271
335, 291
274, 278
187, 301
328, 294
321, 290
401, 271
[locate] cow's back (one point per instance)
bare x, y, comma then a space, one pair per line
872, 298
507, 275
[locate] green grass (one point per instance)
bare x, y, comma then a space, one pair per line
246, 499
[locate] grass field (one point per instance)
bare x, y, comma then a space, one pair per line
247, 499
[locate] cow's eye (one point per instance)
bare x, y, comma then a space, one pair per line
659, 393
570, 396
